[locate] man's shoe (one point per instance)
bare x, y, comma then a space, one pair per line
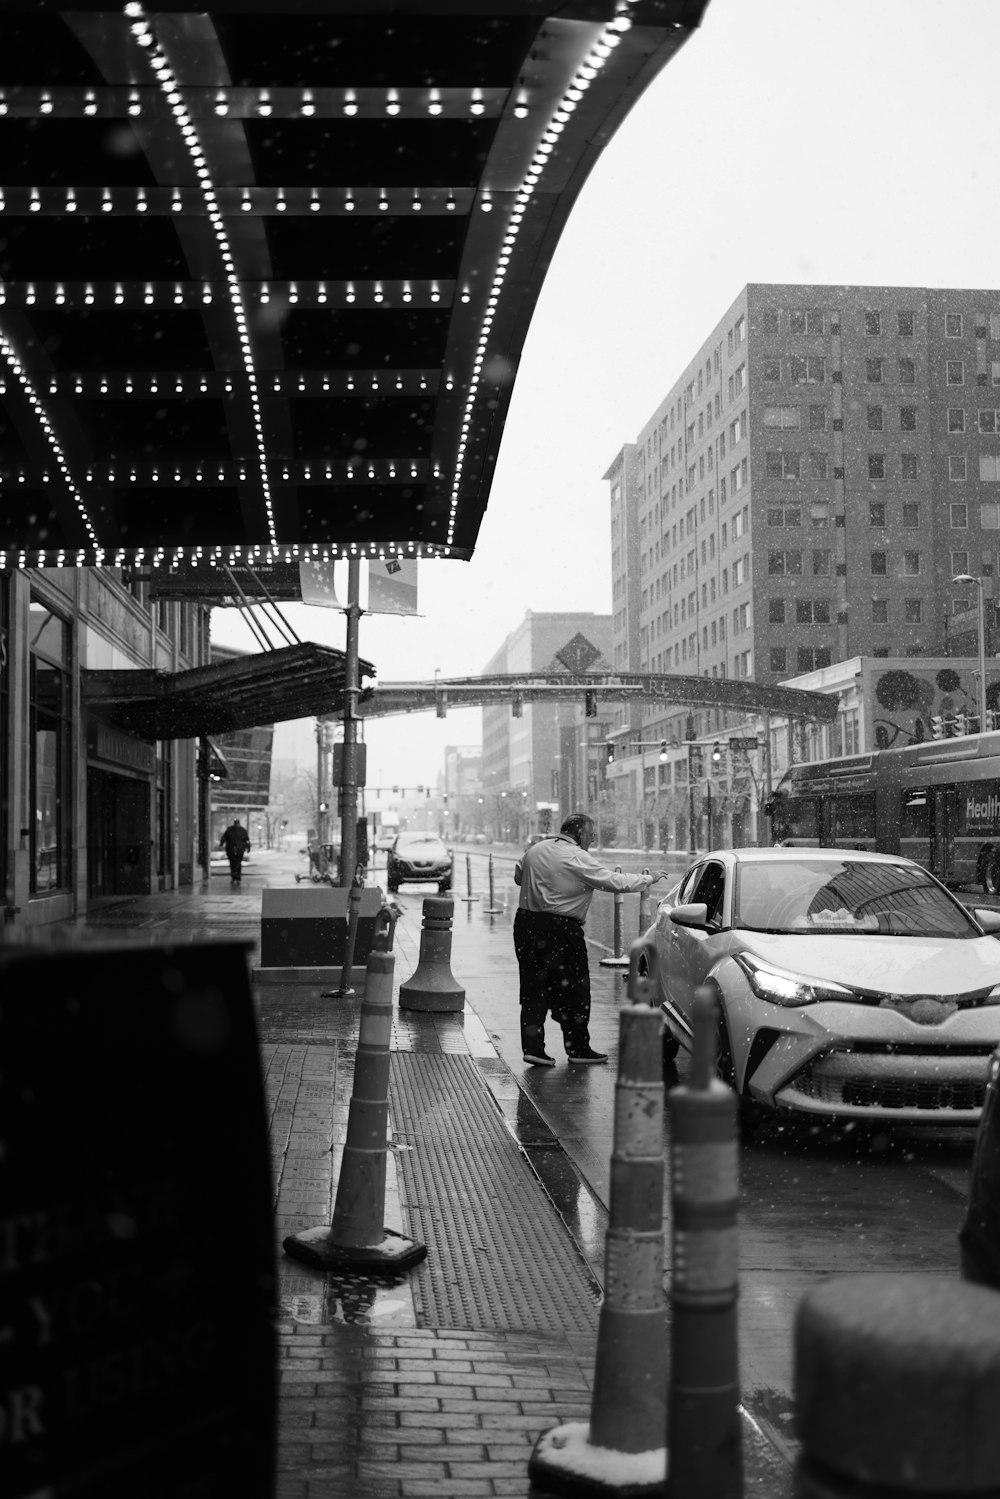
586, 1058
539, 1059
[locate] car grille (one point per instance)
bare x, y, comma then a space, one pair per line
898, 1077
893, 1095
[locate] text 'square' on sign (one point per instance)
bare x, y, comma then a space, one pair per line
137, 1280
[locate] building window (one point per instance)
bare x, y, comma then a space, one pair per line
779, 659
880, 611
956, 418
781, 416
907, 372
805, 320
812, 658
784, 515
50, 750
911, 564
959, 517
873, 324
959, 563
817, 418
873, 371
904, 324
879, 564
776, 612
741, 329
909, 467
989, 421
784, 564
812, 611
911, 611
995, 372
907, 418
782, 465
771, 324
876, 514
989, 516
956, 468
955, 372
771, 369
989, 467
911, 515
818, 465
876, 465
740, 378
953, 325
821, 563
874, 418
810, 371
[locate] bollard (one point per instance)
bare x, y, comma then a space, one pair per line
431, 986
618, 960
645, 908
896, 1381
628, 1409
703, 1408
358, 1238
468, 879
492, 909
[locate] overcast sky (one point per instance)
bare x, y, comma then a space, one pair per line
788, 141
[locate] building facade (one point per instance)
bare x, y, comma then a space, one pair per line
88, 809
806, 492
531, 773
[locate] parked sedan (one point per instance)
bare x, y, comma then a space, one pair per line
851, 983
418, 857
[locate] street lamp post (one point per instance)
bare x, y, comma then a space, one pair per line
968, 578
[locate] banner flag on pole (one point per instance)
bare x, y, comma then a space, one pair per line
317, 585
392, 586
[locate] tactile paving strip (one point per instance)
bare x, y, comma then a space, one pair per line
499, 1257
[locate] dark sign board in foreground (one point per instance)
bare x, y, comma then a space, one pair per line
137, 1352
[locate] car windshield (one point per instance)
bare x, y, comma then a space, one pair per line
422, 841
849, 897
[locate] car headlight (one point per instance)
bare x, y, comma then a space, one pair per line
781, 987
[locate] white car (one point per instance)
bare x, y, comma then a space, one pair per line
851, 984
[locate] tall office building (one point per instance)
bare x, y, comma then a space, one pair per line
826, 464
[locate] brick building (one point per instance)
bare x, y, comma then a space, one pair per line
824, 466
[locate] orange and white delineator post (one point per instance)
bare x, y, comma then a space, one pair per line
358, 1238
628, 1410
703, 1406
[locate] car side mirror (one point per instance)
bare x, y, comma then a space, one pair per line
988, 919
693, 915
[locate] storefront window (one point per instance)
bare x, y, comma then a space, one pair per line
50, 708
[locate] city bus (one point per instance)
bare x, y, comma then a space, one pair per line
937, 803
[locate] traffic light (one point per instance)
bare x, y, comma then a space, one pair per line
961, 724
590, 704
611, 753
663, 750
716, 753
324, 806
395, 790
937, 726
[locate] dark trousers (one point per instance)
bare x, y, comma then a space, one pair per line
235, 861
555, 979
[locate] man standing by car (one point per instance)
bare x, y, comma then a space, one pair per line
558, 877
236, 842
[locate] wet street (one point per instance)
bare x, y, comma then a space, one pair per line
815, 1200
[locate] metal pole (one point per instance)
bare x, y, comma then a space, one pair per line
320, 815
982, 658
768, 823
691, 838
349, 816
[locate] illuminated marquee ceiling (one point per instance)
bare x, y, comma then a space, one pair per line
268, 265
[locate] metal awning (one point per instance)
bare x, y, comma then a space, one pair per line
267, 266
297, 681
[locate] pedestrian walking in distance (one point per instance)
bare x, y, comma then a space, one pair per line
236, 842
558, 877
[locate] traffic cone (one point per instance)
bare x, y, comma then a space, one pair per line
703, 1413
432, 986
628, 1410
358, 1238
